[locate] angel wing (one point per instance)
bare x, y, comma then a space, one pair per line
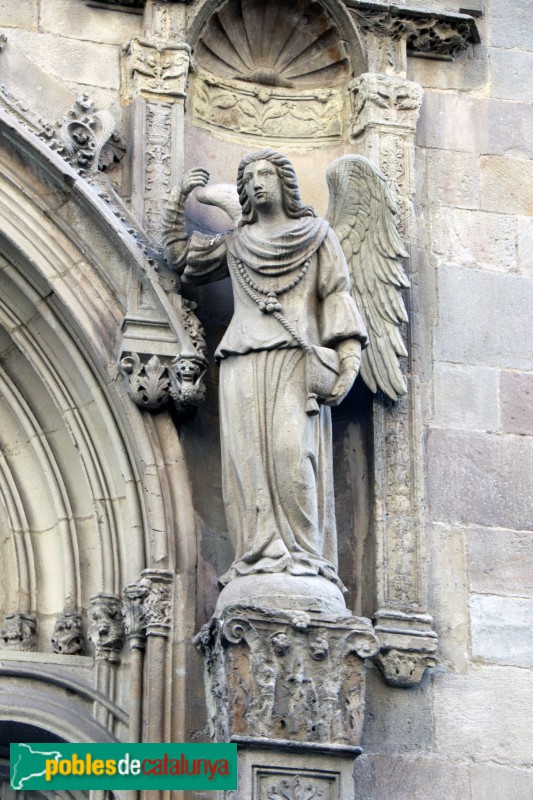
223, 195
361, 212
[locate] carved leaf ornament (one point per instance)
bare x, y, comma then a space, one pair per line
295, 789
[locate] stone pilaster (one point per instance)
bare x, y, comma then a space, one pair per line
287, 684
385, 110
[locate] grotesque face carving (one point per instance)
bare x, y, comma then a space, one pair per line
319, 648
107, 629
67, 637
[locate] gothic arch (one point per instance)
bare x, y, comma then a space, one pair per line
85, 490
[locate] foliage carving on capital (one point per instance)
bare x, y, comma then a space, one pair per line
384, 100
68, 637
297, 788
152, 382
151, 67
436, 35
134, 615
286, 675
157, 602
106, 627
19, 632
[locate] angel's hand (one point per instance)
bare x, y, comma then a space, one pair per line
193, 179
350, 360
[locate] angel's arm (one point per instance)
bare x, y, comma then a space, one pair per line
341, 325
175, 239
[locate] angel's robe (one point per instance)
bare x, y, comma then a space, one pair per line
277, 471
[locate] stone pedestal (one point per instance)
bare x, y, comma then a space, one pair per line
296, 772
287, 685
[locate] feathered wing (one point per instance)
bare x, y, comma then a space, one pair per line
361, 212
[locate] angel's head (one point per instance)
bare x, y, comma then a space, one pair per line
285, 178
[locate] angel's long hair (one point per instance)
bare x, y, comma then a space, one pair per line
292, 202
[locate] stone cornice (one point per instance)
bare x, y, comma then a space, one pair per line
428, 33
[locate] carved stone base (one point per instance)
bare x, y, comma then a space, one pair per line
271, 590
298, 772
407, 646
284, 675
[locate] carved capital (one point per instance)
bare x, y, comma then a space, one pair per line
426, 33
153, 381
134, 615
407, 646
157, 603
153, 68
384, 100
286, 675
68, 637
19, 632
106, 629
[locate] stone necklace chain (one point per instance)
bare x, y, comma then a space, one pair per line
270, 304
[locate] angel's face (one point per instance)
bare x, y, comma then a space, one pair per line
263, 184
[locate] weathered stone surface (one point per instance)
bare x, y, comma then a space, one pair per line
490, 781
511, 25
396, 720
512, 74
485, 715
465, 397
450, 121
500, 561
516, 401
453, 178
470, 475
410, 778
470, 70
81, 22
525, 245
507, 185
464, 335
70, 60
448, 594
502, 629
474, 239
21, 14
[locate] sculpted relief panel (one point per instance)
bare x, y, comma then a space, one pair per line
260, 78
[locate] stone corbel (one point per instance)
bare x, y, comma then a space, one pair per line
422, 32
106, 627
19, 632
407, 646
68, 637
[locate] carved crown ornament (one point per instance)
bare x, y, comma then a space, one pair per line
428, 34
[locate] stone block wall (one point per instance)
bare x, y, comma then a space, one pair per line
466, 733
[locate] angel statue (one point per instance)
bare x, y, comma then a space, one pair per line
293, 346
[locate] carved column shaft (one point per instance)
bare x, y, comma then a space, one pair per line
158, 620
385, 111
106, 631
